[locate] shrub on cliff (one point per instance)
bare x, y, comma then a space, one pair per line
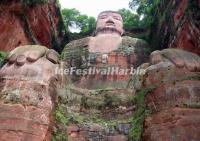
2, 58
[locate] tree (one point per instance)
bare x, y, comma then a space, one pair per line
70, 17
130, 19
74, 19
145, 9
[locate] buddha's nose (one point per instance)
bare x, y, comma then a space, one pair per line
110, 20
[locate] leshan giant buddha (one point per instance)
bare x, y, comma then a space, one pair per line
106, 50
28, 81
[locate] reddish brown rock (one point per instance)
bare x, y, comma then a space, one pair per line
23, 122
174, 87
72, 129
174, 104
74, 133
179, 94
177, 26
22, 25
174, 124
188, 38
12, 32
180, 11
165, 72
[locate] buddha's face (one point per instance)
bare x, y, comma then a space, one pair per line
109, 22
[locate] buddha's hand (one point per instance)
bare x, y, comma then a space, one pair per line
28, 82
31, 53
177, 57
31, 62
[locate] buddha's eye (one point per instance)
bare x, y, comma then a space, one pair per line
117, 18
103, 17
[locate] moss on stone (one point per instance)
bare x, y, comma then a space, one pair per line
59, 131
137, 121
62, 119
191, 105
59, 136
194, 77
65, 119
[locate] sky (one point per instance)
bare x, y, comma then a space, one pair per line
94, 7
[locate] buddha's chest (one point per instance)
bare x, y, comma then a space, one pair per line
102, 70
104, 44
123, 57
109, 51
115, 58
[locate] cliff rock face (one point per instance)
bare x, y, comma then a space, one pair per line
177, 25
162, 104
22, 24
174, 105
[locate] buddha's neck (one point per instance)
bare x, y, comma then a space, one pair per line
105, 43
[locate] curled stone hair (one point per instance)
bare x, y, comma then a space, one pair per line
108, 12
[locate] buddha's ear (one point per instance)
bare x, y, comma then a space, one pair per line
93, 34
122, 32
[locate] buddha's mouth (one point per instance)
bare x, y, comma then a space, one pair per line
110, 23
107, 29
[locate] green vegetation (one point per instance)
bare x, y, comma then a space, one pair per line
100, 104
137, 120
194, 77
62, 120
59, 136
130, 19
74, 19
59, 133
145, 9
191, 105
34, 2
2, 58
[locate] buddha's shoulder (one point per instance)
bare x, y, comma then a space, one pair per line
133, 42
75, 48
80, 43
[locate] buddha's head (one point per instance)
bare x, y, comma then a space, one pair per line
109, 22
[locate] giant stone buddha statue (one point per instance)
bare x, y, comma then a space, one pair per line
107, 49
29, 85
